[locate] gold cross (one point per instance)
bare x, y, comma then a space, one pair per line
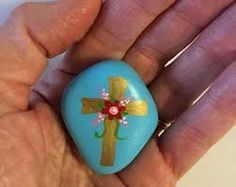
117, 89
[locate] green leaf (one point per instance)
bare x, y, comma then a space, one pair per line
112, 100
97, 135
125, 113
100, 105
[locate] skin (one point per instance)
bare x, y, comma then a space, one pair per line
35, 149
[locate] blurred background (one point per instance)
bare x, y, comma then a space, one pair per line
216, 169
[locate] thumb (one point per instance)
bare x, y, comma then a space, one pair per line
34, 32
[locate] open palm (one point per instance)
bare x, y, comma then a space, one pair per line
35, 149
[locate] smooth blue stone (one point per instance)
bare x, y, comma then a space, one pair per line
136, 133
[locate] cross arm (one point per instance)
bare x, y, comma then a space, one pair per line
137, 108
91, 105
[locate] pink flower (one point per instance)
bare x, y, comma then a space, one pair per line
113, 110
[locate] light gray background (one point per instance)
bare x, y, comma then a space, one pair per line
216, 169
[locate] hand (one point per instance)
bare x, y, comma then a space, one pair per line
34, 147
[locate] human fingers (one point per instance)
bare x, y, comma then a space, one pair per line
182, 82
171, 33
200, 127
34, 32
117, 27
200, 70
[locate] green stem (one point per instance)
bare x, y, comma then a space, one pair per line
96, 134
117, 131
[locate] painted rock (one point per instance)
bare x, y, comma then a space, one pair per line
110, 115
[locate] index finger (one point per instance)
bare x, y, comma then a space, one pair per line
34, 32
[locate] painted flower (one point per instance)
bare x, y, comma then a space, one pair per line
114, 110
